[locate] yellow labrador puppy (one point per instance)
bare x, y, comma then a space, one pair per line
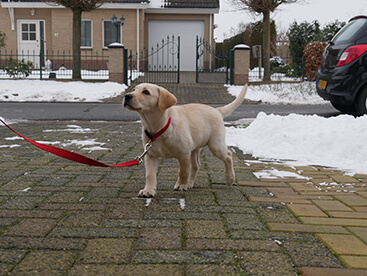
193, 126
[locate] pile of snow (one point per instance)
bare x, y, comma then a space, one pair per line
338, 142
57, 91
281, 93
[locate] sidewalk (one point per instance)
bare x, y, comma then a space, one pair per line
63, 218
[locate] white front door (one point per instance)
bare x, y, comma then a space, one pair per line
30, 36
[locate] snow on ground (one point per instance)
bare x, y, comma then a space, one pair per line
281, 93
305, 140
58, 91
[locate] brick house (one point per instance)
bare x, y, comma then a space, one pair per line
32, 25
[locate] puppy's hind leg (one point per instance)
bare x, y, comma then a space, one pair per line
195, 166
222, 153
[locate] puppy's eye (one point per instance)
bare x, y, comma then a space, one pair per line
146, 92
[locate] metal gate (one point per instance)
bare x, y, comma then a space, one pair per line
211, 67
159, 64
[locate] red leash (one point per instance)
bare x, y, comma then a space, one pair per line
86, 160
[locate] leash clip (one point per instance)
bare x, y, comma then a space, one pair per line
147, 147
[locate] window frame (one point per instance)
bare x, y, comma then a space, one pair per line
103, 33
91, 35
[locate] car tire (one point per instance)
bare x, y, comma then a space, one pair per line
361, 104
348, 109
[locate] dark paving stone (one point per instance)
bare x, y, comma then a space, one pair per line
106, 251
45, 263
183, 257
266, 263
159, 238
311, 255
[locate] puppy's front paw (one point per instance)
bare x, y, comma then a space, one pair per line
147, 193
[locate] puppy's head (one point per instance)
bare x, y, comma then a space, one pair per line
149, 97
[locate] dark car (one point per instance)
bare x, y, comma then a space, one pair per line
342, 76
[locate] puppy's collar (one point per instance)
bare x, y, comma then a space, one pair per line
152, 137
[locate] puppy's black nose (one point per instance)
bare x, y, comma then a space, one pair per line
128, 97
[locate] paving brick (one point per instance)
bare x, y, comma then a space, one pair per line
298, 200
311, 254
344, 244
334, 221
360, 209
45, 263
221, 244
306, 210
114, 269
261, 184
307, 228
353, 200
182, 257
355, 261
343, 178
208, 269
358, 215
320, 271
106, 251
332, 205
42, 243
32, 228
159, 238
205, 229
302, 187
266, 263
361, 232
282, 192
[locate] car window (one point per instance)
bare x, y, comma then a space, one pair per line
348, 31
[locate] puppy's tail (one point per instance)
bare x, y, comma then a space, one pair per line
229, 108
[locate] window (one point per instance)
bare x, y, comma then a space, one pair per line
28, 31
111, 33
86, 34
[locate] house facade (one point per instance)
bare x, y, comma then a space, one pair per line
34, 26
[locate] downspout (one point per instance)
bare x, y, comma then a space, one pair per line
137, 38
11, 15
210, 39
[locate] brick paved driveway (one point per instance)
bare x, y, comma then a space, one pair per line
62, 218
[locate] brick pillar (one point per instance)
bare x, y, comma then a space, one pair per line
116, 62
241, 64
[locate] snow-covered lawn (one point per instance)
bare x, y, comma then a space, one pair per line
338, 142
58, 91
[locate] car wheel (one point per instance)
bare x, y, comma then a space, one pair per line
348, 109
361, 104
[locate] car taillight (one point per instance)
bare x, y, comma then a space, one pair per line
351, 54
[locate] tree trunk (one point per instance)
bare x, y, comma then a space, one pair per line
266, 45
77, 27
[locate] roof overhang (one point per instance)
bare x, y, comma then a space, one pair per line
182, 11
50, 5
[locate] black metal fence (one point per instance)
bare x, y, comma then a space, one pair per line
56, 65
159, 64
211, 67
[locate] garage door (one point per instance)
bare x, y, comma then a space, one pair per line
187, 30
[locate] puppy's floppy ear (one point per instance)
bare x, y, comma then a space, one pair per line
166, 99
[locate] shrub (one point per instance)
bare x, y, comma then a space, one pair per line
313, 54
18, 69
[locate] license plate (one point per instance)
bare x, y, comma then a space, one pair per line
322, 84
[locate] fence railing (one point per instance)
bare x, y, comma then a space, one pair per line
94, 65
